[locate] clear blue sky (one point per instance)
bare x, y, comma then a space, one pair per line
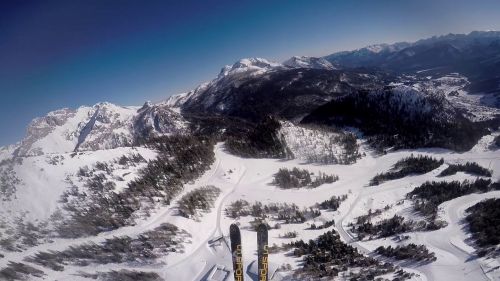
57, 54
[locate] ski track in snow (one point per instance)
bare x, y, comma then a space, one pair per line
467, 267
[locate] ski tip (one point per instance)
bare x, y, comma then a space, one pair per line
234, 228
262, 227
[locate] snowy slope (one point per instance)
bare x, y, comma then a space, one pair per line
61, 148
308, 62
45, 178
318, 145
102, 126
6, 151
229, 76
250, 179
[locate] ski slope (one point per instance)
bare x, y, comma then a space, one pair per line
250, 179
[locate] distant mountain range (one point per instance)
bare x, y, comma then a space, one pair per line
361, 163
254, 88
475, 55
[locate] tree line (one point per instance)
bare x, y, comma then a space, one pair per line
297, 178
145, 248
407, 166
484, 224
263, 141
413, 252
327, 256
193, 203
428, 196
98, 208
470, 167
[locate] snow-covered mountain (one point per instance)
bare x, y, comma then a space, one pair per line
102, 126
393, 56
249, 66
308, 62
336, 159
153, 120
284, 91
475, 55
367, 56
236, 75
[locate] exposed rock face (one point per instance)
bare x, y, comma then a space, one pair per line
40, 128
155, 120
309, 62
102, 126
288, 93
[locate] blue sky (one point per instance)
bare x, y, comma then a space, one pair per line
56, 54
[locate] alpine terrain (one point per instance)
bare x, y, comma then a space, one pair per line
381, 163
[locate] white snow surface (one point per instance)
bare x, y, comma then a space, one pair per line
250, 179
42, 182
249, 65
308, 62
310, 144
89, 128
46, 160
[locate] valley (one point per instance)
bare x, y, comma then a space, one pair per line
363, 165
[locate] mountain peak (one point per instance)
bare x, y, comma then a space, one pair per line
145, 106
308, 62
247, 65
377, 48
101, 126
254, 62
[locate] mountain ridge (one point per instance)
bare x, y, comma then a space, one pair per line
329, 157
218, 94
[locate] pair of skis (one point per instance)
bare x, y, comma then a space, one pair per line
262, 252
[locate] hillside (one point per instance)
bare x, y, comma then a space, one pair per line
362, 167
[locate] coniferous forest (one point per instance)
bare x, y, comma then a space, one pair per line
484, 224
408, 166
470, 167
